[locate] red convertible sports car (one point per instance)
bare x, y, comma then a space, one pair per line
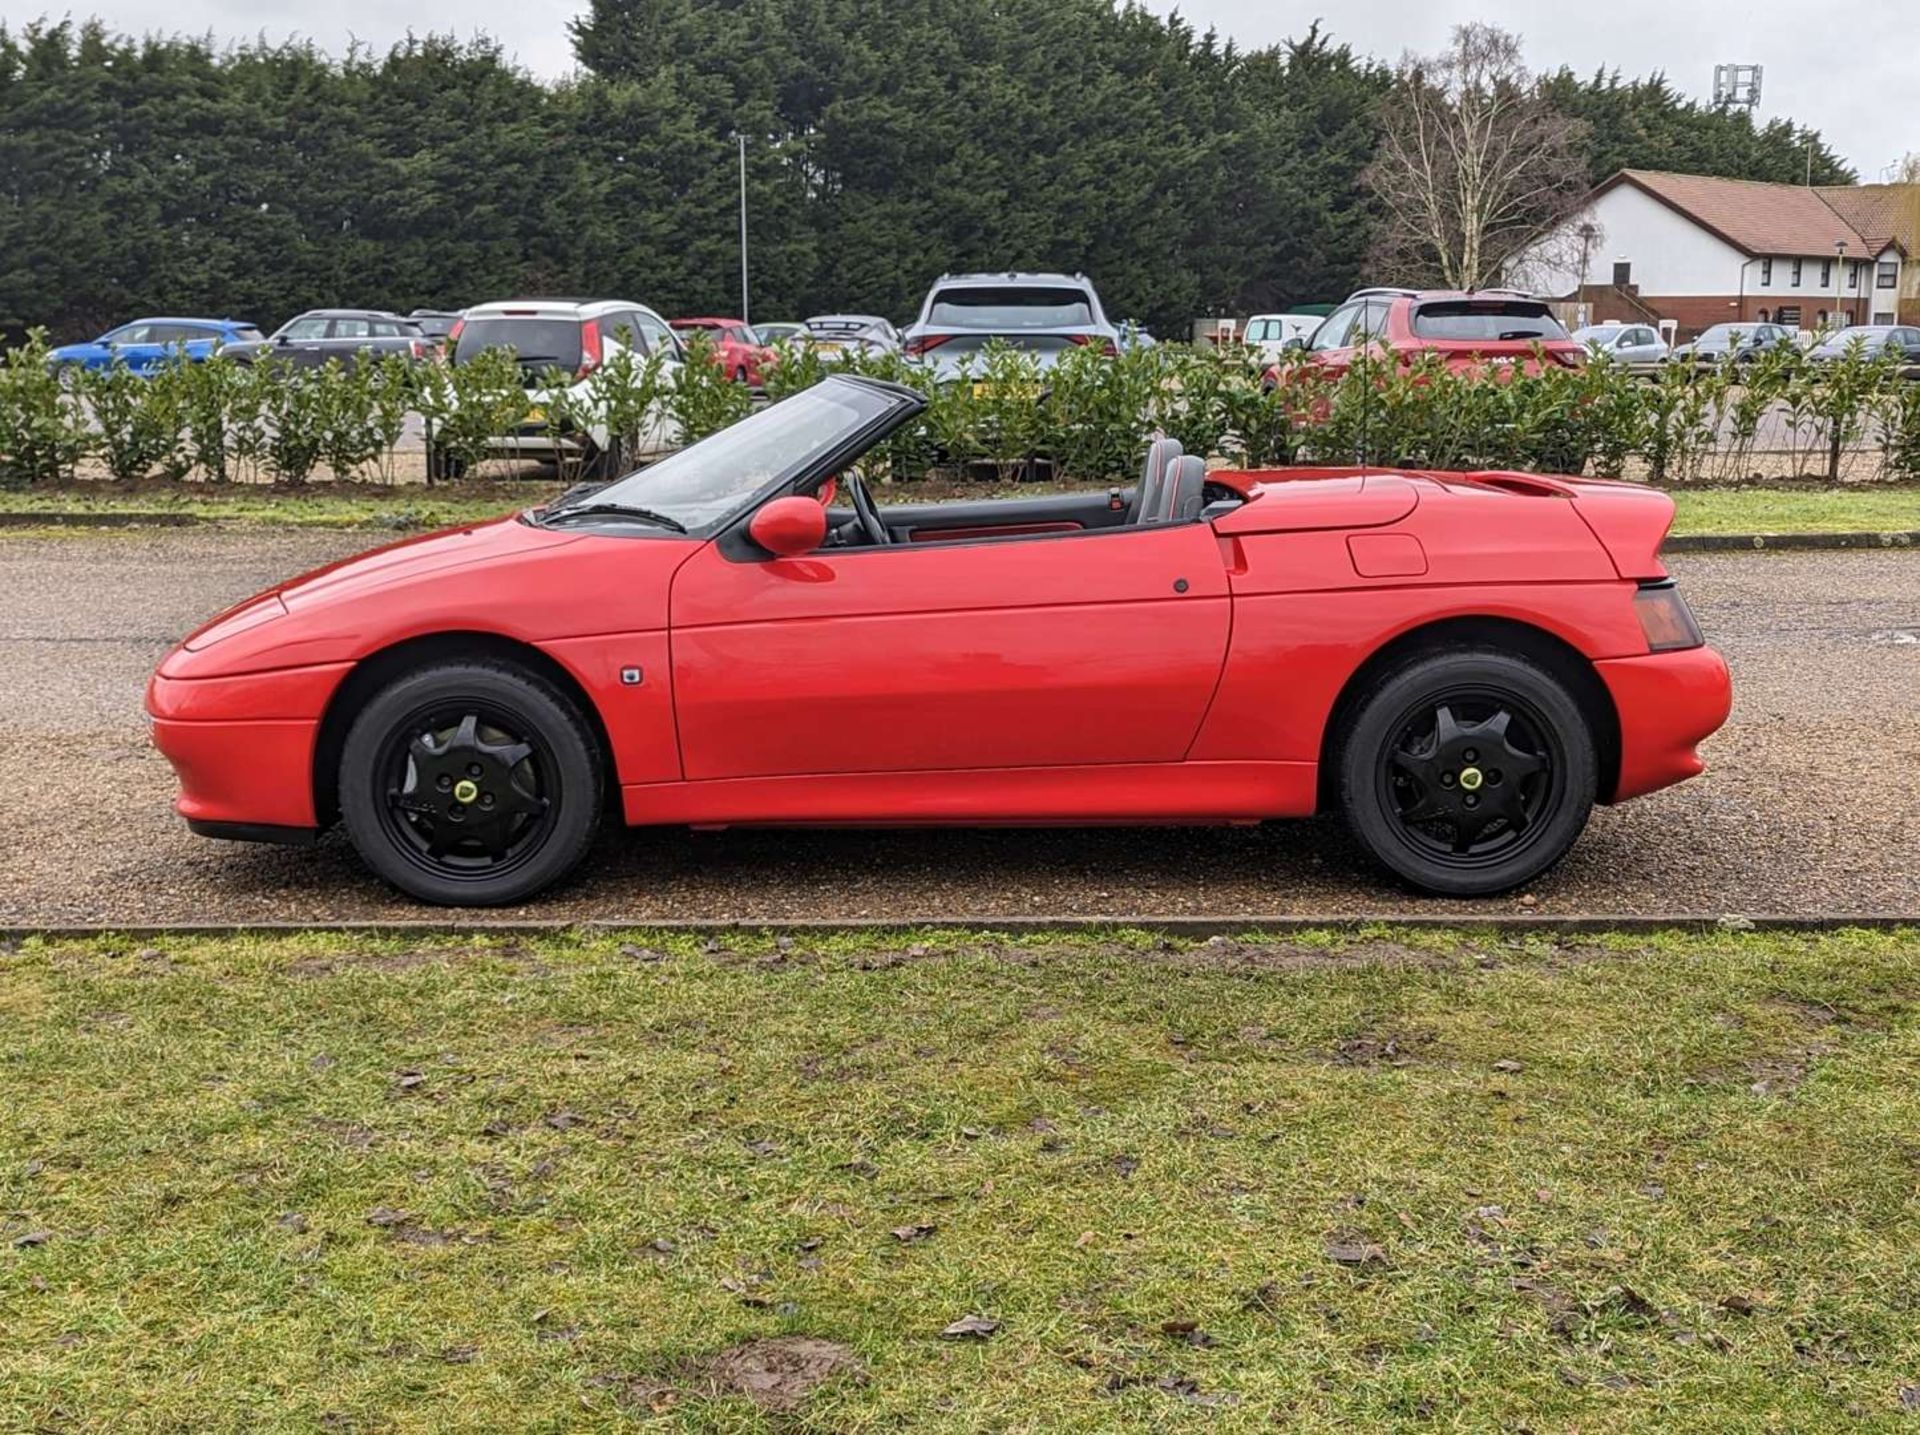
1460, 663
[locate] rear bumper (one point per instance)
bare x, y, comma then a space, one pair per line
1668, 704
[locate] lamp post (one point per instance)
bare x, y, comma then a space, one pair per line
1840, 316
745, 316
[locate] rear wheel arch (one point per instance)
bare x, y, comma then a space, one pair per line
378, 669
1551, 652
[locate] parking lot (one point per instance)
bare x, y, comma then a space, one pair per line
1811, 803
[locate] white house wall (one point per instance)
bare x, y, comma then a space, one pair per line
1670, 254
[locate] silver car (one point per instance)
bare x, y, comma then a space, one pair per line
1043, 314
1874, 340
837, 333
1624, 343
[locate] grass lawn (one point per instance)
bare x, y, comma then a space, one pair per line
398, 506
1797, 510
341, 1182
405, 506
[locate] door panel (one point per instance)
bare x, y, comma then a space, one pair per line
945, 656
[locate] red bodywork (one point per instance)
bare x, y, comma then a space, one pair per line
1181, 672
738, 357
1394, 335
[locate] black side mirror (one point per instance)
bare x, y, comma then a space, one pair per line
1295, 343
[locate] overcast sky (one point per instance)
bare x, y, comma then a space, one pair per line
1845, 69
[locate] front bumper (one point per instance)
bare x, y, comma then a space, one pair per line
243, 747
1668, 703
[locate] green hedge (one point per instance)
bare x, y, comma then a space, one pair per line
1088, 417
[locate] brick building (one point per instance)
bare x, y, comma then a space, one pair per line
1698, 251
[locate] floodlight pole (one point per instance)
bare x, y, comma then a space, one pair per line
745, 316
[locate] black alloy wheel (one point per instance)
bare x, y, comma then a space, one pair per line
1470, 774
471, 784
464, 790
1469, 771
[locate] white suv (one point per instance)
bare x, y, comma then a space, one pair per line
574, 337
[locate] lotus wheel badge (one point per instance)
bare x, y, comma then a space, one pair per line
1470, 780
466, 790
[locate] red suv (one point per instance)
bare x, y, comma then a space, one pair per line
1485, 329
737, 349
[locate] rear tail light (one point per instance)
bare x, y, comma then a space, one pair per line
590, 350
1107, 346
1665, 618
417, 348
920, 343
453, 335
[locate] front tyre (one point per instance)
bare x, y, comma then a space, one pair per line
1468, 771
471, 784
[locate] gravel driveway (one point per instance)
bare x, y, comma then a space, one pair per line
1811, 804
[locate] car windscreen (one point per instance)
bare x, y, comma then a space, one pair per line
1013, 307
249, 336
838, 329
1721, 335
543, 343
701, 485
1486, 321
1846, 338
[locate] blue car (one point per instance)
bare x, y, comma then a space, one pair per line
147, 344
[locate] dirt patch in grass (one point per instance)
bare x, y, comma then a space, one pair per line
781, 1372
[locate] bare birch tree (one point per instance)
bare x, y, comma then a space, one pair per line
1474, 165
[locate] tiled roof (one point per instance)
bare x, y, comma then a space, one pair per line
1883, 213
1752, 216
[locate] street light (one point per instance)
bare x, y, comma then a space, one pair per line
745, 317
1840, 317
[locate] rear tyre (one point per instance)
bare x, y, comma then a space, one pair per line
444, 467
471, 784
740, 374
1467, 771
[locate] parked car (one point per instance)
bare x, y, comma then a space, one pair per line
436, 324
741, 635
1042, 314
1874, 340
737, 348
1482, 331
562, 344
1732, 344
343, 336
147, 344
1135, 335
1623, 343
1274, 334
835, 333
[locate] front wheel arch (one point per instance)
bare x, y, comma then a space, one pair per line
1555, 654
377, 669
